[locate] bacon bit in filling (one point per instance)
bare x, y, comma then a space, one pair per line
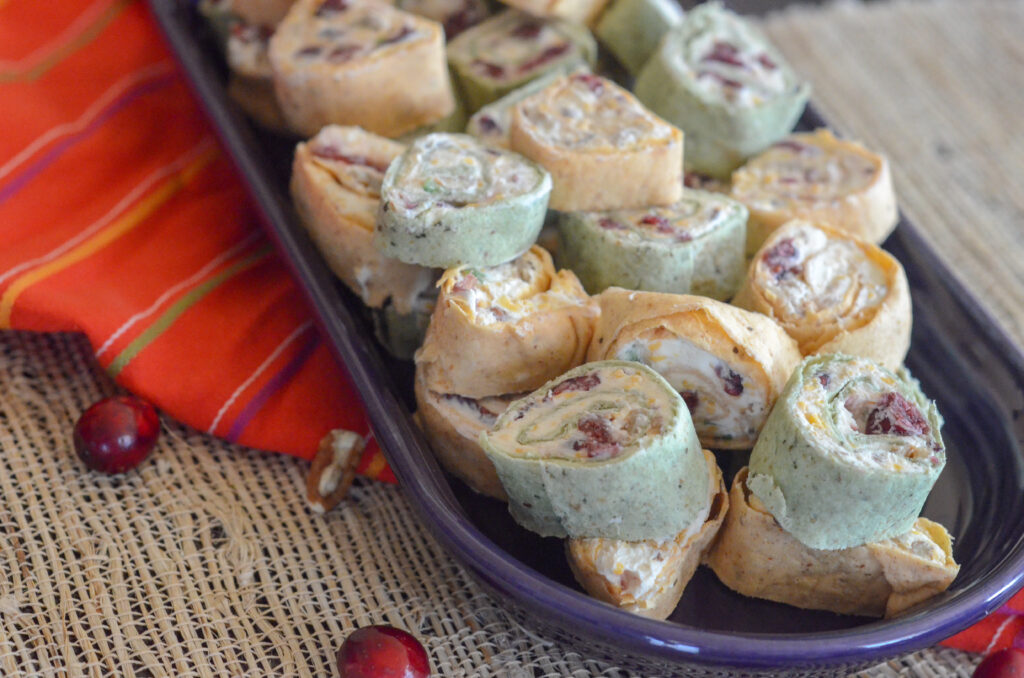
466, 283
490, 69
779, 259
331, 6
733, 381
659, 222
895, 415
528, 30
486, 416
610, 224
598, 442
691, 399
332, 153
584, 382
550, 54
593, 82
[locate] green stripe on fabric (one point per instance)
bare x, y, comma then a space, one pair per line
90, 33
179, 307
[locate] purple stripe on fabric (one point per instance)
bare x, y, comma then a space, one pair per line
275, 384
32, 171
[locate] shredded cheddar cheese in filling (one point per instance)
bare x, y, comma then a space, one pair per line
809, 276
589, 113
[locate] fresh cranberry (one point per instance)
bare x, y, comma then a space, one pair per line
382, 652
1008, 663
116, 434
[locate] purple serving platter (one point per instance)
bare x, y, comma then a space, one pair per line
962, 358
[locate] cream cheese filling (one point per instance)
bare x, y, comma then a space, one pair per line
723, 403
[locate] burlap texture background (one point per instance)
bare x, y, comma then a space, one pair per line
207, 562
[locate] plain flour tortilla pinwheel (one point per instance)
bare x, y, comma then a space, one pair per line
754, 556
648, 577
506, 329
729, 365
605, 450
849, 453
832, 292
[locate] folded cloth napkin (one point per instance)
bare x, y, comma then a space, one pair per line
121, 218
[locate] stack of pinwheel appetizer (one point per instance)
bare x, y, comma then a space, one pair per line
711, 283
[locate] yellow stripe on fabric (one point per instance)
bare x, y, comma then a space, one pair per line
61, 52
126, 223
179, 307
377, 464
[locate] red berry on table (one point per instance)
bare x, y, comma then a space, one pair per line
1008, 663
382, 652
115, 434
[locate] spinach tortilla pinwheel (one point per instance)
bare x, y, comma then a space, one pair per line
817, 177
648, 577
605, 450
729, 90
512, 48
632, 29
506, 329
693, 246
754, 556
832, 292
336, 183
848, 454
729, 365
449, 201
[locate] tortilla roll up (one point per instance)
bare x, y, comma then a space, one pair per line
605, 450
647, 577
817, 177
832, 292
632, 29
450, 201
848, 454
754, 556
729, 365
693, 246
506, 329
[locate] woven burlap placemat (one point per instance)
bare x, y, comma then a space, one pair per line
206, 562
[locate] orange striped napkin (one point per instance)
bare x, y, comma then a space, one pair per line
121, 218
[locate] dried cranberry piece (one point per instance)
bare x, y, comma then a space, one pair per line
599, 441
467, 282
610, 224
584, 382
825, 379
343, 53
487, 124
528, 30
547, 55
403, 33
765, 61
659, 222
691, 399
377, 651
779, 258
791, 145
895, 415
490, 69
726, 53
733, 381
330, 7
310, 51
728, 82
593, 82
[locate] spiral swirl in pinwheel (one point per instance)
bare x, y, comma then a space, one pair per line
506, 329
729, 365
694, 246
450, 201
848, 454
648, 577
832, 292
605, 450
755, 557
817, 177
718, 79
